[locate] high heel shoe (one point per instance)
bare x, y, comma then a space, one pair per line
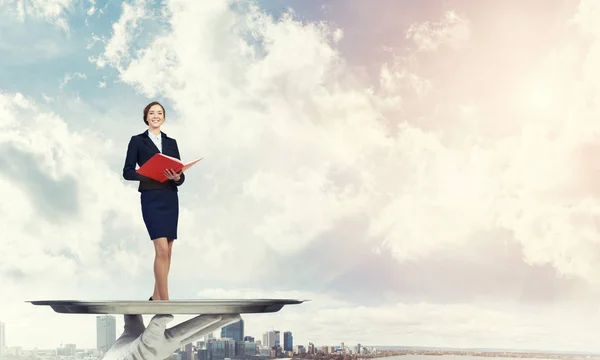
150, 299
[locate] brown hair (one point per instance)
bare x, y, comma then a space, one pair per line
147, 108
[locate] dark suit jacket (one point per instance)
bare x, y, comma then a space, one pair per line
141, 149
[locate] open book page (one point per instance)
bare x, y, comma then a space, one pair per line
156, 166
190, 164
172, 158
185, 166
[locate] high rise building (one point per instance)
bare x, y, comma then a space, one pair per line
2, 340
106, 332
271, 338
234, 331
288, 341
250, 349
223, 348
207, 350
189, 352
202, 354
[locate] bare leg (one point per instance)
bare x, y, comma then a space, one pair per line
170, 252
155, 295
161, 269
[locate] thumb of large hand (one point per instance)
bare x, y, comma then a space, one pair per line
155, 332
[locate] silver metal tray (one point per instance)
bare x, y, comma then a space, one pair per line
196, 307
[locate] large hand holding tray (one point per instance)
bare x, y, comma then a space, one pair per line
233, 306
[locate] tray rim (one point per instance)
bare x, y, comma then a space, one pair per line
171, 301
179, 307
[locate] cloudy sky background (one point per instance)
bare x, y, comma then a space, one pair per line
425, 172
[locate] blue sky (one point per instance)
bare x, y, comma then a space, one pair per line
53, 53
421, 170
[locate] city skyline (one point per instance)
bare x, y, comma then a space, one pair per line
107, 334
423, 172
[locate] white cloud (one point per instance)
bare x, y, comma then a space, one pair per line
69, 77
316, 150
57, 160
399, 78
92, 8
453, 30
116, 49
292, 149
334, 320
53, 11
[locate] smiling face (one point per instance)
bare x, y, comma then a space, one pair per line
155, 117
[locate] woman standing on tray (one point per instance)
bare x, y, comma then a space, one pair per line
159, 201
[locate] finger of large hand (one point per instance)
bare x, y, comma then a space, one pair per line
134, 325
191, 326
155, 332
226, 320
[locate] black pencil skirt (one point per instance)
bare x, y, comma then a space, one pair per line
160, 210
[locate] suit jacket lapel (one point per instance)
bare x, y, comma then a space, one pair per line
166, 145
149, 142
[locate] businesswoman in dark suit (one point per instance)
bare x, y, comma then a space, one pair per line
159, 201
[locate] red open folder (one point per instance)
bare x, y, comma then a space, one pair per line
156, 166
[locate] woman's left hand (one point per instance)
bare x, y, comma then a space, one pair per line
172, 175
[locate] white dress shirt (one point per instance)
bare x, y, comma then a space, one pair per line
156, 139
